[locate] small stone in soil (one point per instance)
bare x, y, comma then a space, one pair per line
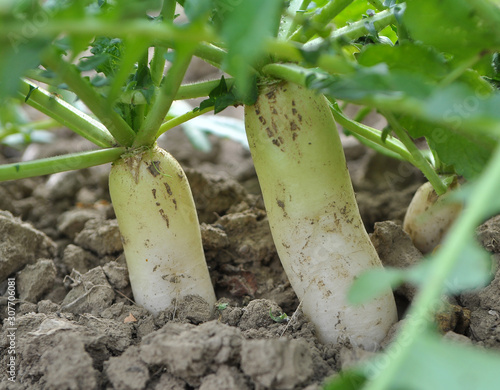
78, 259
257, 314
277, 363
117, 274
21, 244
73, 221
68, 365
128, 371
226, 378
101, 237
190, 352
35, 280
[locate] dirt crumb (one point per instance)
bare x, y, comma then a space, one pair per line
127, 371
101, 237
190, 352
277, 363
36, 279
21, 244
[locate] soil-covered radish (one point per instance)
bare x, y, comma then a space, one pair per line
160, 231
313, 214
429, 217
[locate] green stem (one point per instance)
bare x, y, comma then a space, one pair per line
212, 54
116, 125
377, 4
288, 72
320, 20
168, 10
201, 89
418, 159
187, 91
296, 19
88, 27
358, 29
56, 164
373, 135
157, 65
147, 134
65, 114
484, 194
158, 60
179, 120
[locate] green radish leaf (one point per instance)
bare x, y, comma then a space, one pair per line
195, 9
222, 97
466, 154
473, 269
441, 364
408, 57
133, 50
452, 26
467, 157
14, 61
373, 283
245, 49
352, 379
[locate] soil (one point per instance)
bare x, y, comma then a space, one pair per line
77, 327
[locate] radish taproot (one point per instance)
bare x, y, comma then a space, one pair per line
160, 231
312, 212
429, 217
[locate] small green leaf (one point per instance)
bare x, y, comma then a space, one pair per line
352, 379
32, 88
373, 283
280, 318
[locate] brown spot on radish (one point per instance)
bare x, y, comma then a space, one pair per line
169, 191
281, 205
270, 95
154, 192
154, 168
175, 203
293, 102
293, 126
274, 111
155, 268
294, 136
269, 132
165, 217
294, 110
262, 120
276, 142
158, 204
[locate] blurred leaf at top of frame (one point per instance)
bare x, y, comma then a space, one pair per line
459, 27
245, 26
